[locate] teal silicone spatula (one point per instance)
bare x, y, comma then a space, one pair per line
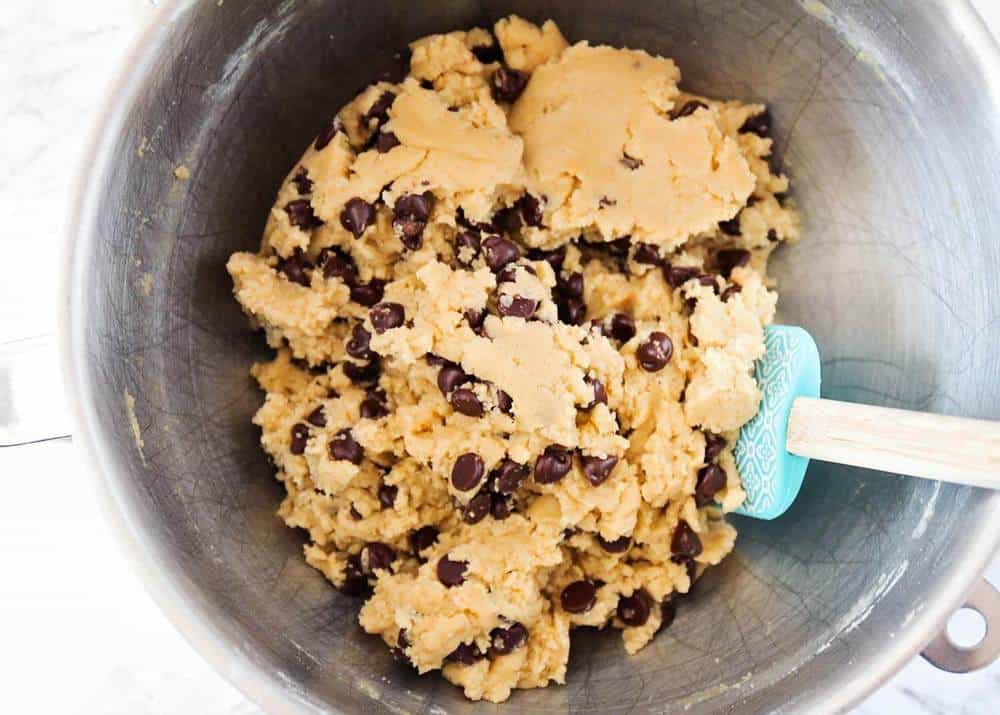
794, 425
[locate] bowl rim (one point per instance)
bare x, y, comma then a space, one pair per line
272, 690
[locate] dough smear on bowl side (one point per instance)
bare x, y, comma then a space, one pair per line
516, 289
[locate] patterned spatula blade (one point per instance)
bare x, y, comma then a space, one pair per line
771, 475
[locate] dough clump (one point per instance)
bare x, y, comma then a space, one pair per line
516, 290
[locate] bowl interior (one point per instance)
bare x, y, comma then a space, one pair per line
887, 123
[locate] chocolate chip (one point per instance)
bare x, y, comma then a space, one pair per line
647, 253
506, 220
531, 210
303, 184
435, 360
462, 220
424, 538
578, 597
376, 555
465, 654
360, 373
731, 227
600, 394
669, 612
709, 280
504, 402
475, 319
355, 583
500, 507
319, 369
731, 258
465, 401
710, 480
604, 202
729, 292
328, 132
467, 472
410, 216
687, 109
359, 345
570, 286
373, 408
688, 563
357, 215
618, 546
505, 640
634, 610
508, 475
387, 494
399, 652
379, 111
621, 327
516, 306
477, 508
507, 275
488, 54
355, 514
397, 68
508, 84
714, 444
630, 163
368, 294
685, 541
654, 354
618, 248
772, 235
385, 142
300, 435
552, 465
499, 252
466, 247
317, 418
571, 311
451, 573
759, 124
296, 267
597, 469
555, 258
337, 264
677, 276
300, 213
344, 448
386, 316
450, 377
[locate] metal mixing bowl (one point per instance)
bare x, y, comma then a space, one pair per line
888, 120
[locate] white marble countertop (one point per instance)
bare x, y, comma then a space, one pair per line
81, 635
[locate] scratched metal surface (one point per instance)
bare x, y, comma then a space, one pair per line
888, 126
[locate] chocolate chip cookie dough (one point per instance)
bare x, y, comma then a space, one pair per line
516, 289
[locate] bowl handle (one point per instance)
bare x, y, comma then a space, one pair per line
944, 654
32, 399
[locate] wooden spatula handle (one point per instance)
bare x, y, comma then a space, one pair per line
950, 449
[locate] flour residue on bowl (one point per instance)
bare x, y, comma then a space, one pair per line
817, 9
134, 424
146, 284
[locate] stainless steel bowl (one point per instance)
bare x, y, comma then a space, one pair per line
888, 120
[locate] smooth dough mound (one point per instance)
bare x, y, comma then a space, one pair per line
516, 291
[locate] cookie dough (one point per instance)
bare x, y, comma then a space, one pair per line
516, 289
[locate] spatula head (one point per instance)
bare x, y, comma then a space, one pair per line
771, 476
